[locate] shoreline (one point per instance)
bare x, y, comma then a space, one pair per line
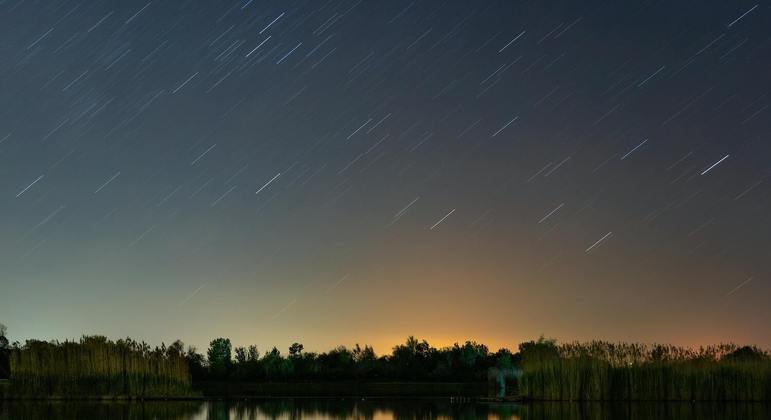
478, 400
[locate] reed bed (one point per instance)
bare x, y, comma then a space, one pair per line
97, 367
603, 371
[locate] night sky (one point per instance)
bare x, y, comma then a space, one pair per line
333, 172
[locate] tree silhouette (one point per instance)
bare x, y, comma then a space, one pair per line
252, 354
746, 354
195, 363
275, 366
240, 355
295, 350
219, 356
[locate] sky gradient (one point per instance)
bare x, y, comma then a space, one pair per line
334, 172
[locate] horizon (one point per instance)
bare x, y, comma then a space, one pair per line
385, 349
289, 171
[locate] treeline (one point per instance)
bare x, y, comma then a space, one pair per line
95, 366
415, 360
603, 371
539, 370
594, 371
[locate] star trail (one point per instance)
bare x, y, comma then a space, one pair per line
331, 171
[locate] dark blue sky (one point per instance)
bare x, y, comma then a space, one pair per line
341, 171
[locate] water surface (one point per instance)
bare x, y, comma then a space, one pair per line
380, 409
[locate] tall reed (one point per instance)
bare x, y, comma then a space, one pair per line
95, 366
623, 372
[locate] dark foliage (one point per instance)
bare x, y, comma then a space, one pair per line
5, 354
415, 360
95, 366
605, 371
597, 370
576, 371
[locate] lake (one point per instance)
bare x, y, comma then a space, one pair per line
380, 409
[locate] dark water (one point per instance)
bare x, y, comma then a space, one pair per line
380, 409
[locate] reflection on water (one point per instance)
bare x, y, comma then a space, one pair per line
380, 409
